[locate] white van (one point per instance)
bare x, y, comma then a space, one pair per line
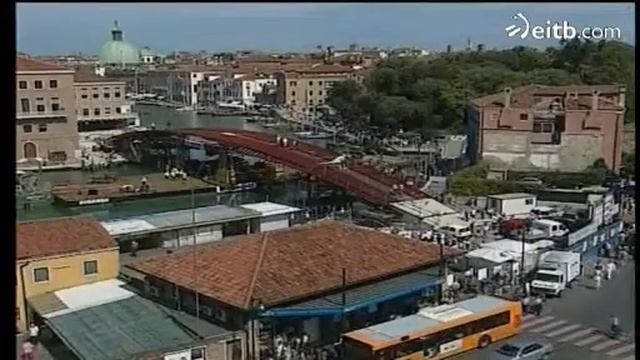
550, 228
459, 232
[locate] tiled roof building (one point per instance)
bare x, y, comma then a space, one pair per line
287, 265
59, 236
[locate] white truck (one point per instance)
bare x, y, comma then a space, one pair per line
555, 272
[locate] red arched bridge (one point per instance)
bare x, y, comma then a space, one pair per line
360, 179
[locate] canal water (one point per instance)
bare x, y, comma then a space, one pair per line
162, 118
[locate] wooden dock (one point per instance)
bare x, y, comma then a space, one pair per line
80, 194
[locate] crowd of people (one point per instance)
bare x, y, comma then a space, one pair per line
293, 346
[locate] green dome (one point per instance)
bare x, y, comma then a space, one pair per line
117, 51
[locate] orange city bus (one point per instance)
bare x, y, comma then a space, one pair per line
437, 332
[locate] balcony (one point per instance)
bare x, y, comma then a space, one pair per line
42, 115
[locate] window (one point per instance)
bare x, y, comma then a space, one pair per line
22, 84
85, 112
96, 111
116, 94
528, 201
494, 116
40, 99
293, 93
547, 128
91, 267
310, 102
40, 108
53, 84
42, 128
24, 104
320, 101
311, 93
55, 107
320, 92
531, 348
59, 156
27, 128
524, 116
38, 84
84, 96
107, 95
293, 83
118, 110
41, 274
537, 128
310, 83
107, 111
95, 95
320, 83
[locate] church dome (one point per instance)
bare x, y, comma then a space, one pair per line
117, 51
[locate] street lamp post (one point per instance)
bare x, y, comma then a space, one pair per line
195, 256
525, 229
441, 270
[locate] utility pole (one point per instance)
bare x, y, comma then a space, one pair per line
344, 305
441, 270
195, 256
525, 229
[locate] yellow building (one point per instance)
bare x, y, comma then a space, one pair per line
307, 88
60, 253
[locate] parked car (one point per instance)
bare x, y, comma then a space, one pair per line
524, 348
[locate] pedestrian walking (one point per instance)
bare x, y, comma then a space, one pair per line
614, 323
598, 279
537, 305
611, 269
34, 331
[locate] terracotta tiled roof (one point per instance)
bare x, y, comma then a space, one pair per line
326, 68
539, 90
25, 64
84, 77
42, 238
290, 264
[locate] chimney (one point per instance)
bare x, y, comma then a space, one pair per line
594, 100
507, 97
448, 49
622, 96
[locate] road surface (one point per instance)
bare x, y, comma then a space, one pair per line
572, 322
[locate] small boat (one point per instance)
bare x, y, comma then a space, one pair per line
252, 119
269, 125
184, 108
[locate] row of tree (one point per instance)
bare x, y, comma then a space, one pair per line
432, 93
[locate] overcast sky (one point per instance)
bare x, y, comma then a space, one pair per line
71, 28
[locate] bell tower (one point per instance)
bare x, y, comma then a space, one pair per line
116, 33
